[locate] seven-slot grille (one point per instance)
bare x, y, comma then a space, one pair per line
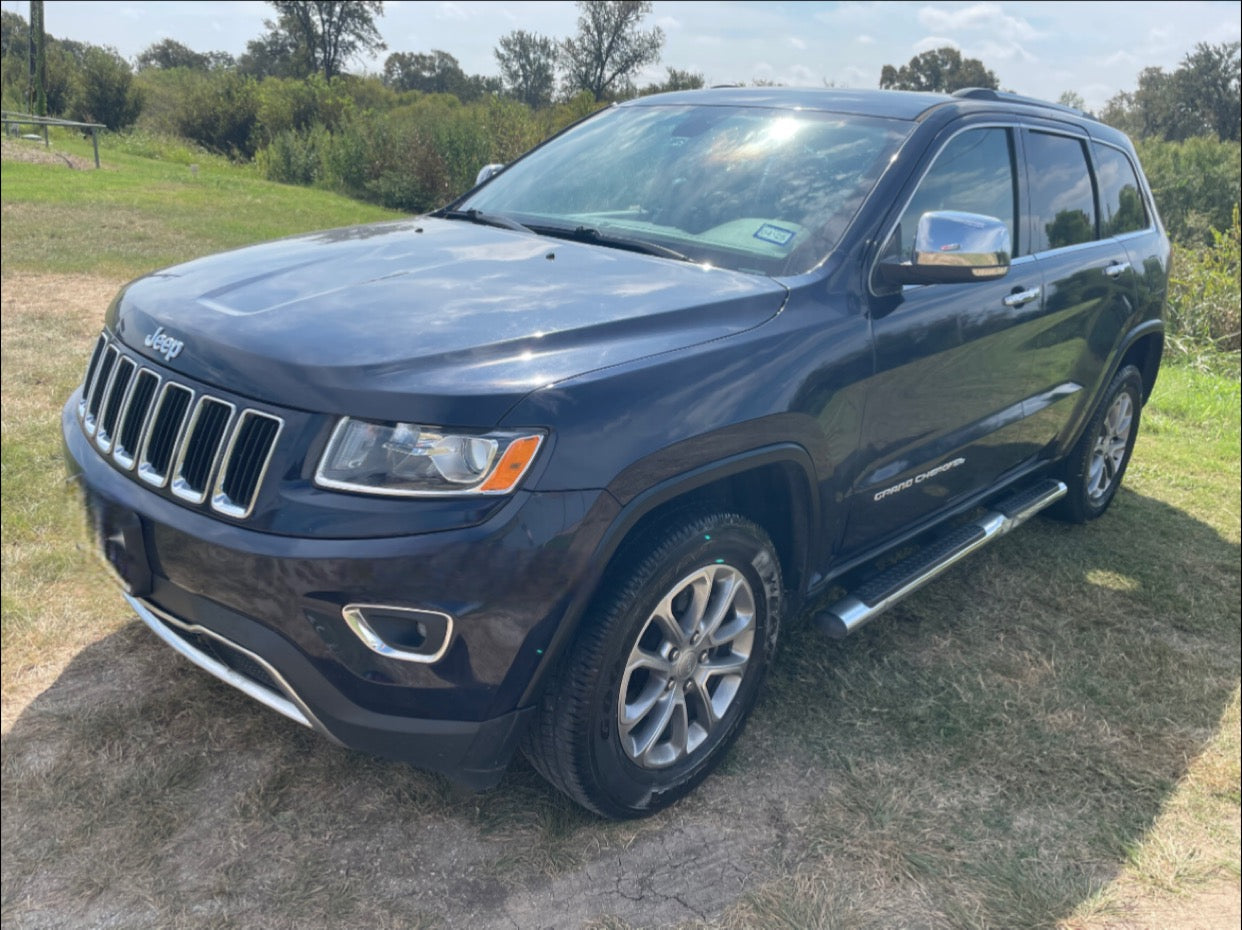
176, 437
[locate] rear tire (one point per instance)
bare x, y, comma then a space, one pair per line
1095, 467
663, 673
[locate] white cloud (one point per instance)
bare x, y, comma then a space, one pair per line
800, 75
1000, 51
668, 22
864, 39
987, 16
450, 10
797, 43
927, 43
853, 76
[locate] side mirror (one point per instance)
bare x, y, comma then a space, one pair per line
487, 172
953, 248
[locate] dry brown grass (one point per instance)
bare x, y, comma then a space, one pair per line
31, 152
48, 323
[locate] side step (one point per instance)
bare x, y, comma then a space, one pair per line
882, 591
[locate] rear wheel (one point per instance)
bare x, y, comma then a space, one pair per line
661, 677
1093, 470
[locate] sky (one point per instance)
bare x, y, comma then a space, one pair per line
1038, 48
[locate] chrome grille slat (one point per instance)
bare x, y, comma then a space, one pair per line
134, 418
103, 379
167, 423
91, 370
118, 393
191, 444
200, 447
245, 463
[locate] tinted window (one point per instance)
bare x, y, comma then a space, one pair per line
973, 173
1062, 196
1121, 200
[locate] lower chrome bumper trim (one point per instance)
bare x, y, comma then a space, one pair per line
289, 704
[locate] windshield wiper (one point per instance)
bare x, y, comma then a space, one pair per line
483, 219
594, 236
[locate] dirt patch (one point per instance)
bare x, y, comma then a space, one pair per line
28, 150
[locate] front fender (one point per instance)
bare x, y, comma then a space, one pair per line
793, 460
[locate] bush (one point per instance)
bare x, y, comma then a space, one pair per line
1203, 313
292, 104
219, 111
1195, 184
296, 157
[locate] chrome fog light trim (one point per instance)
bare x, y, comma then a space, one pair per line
356, 619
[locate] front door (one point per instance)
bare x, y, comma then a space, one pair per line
945, 408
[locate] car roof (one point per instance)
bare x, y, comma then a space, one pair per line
893, 104
890, 104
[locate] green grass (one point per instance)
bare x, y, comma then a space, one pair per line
136, 213
1049, 733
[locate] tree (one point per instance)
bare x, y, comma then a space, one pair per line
314, 35
675, 79
274, 54
609, 48
434, 72
941, 69
169, 53
1072, 99
1200, 98
104, 91
527, 67
1206, 91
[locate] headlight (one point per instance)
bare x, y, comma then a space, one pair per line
412, 460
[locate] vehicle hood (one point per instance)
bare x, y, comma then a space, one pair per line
429, 320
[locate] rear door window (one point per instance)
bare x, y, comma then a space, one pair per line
1062, 193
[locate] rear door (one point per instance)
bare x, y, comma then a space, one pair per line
1089, 281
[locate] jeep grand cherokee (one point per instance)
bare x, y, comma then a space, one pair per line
548, 468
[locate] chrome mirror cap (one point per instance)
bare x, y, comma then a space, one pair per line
951, 247
487, 172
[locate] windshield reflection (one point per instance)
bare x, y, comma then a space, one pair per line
747, 188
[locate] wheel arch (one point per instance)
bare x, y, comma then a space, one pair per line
1144, 350
773, 486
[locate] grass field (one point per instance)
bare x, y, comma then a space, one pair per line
1047, 736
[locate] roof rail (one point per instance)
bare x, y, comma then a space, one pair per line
987, 93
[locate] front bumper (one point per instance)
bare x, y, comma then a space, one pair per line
263, 612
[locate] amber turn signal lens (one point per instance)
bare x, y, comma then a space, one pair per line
512, 464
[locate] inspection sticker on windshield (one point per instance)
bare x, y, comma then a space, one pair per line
777, 235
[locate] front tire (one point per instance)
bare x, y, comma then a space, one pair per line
1095, 467
662, 675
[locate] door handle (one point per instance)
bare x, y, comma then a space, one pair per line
1117, 269
1021, 298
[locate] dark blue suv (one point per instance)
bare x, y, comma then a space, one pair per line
548, 468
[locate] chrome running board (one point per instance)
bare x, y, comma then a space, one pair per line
882, 591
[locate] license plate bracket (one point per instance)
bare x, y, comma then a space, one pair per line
118, 541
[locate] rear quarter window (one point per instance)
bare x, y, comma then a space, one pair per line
1121, 198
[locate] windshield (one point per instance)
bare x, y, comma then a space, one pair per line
747, 188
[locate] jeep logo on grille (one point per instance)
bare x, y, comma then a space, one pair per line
164, 344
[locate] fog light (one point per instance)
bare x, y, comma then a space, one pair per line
404, 633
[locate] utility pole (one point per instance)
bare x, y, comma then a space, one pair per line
38, 64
